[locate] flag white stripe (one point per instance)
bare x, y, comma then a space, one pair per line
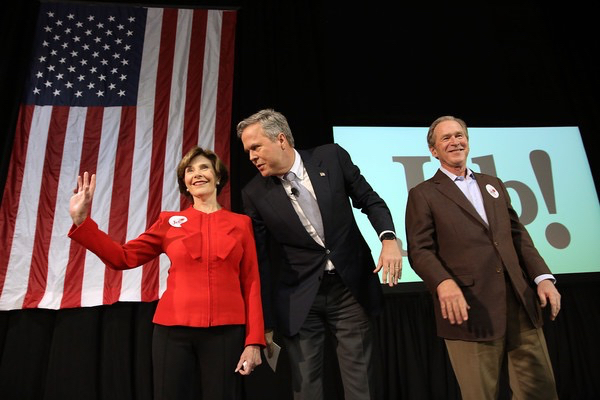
142, 154
210, 80
173, 150
164, 264
94, 272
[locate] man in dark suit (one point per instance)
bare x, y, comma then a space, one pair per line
488, 281
327, 280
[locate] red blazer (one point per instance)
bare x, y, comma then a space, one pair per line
448, 239
213, 278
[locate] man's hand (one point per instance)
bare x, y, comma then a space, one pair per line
390, 260
452, 302
269, 341
548, 293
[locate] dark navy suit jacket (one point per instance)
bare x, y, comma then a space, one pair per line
290, 284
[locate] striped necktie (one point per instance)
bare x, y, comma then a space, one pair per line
307, 202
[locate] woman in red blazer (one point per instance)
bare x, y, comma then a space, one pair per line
209, 322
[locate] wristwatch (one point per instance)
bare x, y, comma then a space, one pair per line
388, 236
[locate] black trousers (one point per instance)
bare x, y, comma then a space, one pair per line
337, 311
197, 363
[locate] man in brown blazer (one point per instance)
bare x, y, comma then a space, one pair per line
488, 280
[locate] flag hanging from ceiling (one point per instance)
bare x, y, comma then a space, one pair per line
122, 92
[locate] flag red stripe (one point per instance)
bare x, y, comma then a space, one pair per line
12, 188
150, 275
88, 162
38, 273
161, 112
119, 210
191, 122
224, 98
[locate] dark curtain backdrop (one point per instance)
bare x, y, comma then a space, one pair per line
323, 64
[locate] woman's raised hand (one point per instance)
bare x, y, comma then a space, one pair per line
80, 203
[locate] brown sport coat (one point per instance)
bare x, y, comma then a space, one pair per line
447, 238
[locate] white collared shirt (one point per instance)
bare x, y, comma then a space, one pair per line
468, 185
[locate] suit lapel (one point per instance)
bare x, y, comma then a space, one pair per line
450, 190
280, 203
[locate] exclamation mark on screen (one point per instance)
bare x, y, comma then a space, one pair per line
556, 233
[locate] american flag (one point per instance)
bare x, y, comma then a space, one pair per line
122, 92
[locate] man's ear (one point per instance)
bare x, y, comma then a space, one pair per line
433, 151
281, 139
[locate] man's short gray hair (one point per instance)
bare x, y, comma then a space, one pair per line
272, 122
